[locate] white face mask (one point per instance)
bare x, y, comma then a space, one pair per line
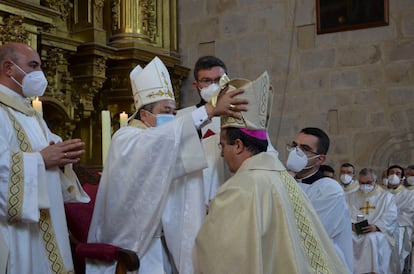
385, 181
346, 179
410, 180
164, 118
393, 180
34, 83
209, 92
297, 160
366, 188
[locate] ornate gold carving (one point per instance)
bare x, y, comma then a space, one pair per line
150, 15
86, 73
62, 6
100, 65
12, 30
54, 58
99, 3
134, 20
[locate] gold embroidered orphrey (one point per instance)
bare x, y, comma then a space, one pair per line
15, 199
367, 207
310, 244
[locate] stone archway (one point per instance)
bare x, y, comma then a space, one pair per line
396, 149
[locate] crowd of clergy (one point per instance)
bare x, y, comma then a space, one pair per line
190, 214
382, 213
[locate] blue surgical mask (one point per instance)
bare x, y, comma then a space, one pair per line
164, 118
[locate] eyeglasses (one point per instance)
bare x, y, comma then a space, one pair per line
304, 148
209, 81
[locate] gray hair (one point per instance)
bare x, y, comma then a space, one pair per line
369, 171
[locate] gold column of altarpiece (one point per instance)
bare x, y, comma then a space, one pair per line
88, 48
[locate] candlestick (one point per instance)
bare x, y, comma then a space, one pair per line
123, 119
106, 134
37, 105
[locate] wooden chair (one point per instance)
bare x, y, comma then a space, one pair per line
79, 216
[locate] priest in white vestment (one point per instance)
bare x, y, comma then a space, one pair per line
347, 178
260, 220
374, 246
152, 178
307, 152
36, 174
404, 200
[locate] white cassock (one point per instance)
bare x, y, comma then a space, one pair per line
373, 251
328, 199
152, 178
404, 199
23, 173
217, 172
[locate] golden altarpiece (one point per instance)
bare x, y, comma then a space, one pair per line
88, 48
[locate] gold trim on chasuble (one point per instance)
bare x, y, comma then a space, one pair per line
15, 198
311, 245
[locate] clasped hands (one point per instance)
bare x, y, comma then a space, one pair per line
228, 104
62, 153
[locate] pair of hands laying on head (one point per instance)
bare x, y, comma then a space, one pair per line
62, 153
228, 104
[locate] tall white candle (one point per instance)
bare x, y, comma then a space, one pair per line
37, 105
106, 134
123, 119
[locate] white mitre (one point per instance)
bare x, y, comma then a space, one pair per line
151, 84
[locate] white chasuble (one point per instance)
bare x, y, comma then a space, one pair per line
142, 187
374, 251
404, 199
260, 221
24, 178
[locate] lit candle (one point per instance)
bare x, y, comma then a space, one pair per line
37, 105
123, 119
106, 134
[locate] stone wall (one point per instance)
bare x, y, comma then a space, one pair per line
356, 85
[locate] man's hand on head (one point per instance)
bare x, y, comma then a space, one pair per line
228, 104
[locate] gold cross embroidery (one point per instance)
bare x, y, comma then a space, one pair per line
367, 207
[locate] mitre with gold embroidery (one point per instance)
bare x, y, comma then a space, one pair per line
259, 94
151, 84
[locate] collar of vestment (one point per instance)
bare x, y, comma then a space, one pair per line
396, 190
410, 187
263, 161
311, 179
376, 191
15, 101
137, 123
351, 186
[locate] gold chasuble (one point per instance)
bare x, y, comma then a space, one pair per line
16, 185
262, 222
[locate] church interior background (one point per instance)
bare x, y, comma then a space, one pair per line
357, 85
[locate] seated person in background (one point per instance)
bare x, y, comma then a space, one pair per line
373, 248
328, 171
404, 200
409, 177
150, 196
261, 220
347, 178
